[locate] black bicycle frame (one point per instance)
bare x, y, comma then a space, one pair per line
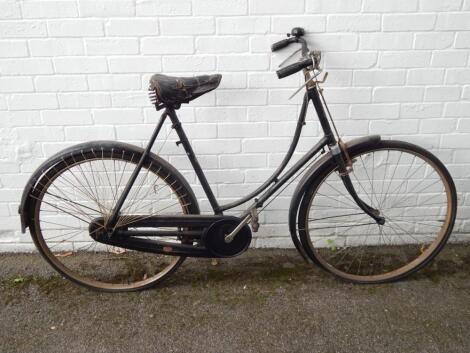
270, 186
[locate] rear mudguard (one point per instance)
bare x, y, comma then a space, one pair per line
308, 179
25, 208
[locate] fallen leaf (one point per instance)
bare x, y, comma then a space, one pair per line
214, 262
64, 254
18, 280
117, 251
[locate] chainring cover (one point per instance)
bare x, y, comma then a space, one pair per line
214, 238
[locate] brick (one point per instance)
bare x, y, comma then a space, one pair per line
173, 45
385, 41
426, 76
177, 63
60, 83
75, 28
453, 21
220, 145
49, 133
270, 80
56, 47
216, 7
139, 64
421, 110
348, 95
265, 7
221, 114
390, 6
437, 126
442, 94
462, 40
49, 9
232, 80
398, 94
131, 27
222, 44
243, 62
16, 84
114, 82
379, 77
408, 22
10, 9
404, 59
243, 161
84, 100
333, 6
335, 42
25, 29
32, 101
312, 23
272, 113
242, 130
106, 8
269, 144
375, 111
25, 66
357, 60
87, 133
118, 116
394, 127
438, 5
449, 58
13, 48
111, 46
66, 117
163, 8
434, 40
80, 65
457, 141
187, 26
354, 23
245, 97
243, 25
457, 109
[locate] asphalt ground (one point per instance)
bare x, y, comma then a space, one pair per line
262, 301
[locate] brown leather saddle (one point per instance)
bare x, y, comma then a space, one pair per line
172, 91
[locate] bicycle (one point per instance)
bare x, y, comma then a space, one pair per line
115, 217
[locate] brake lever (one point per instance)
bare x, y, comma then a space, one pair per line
288, 58
307, 82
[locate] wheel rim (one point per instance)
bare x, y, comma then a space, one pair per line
352, 245
84, 189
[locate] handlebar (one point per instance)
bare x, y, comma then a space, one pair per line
295, 37
282, 43
293, 68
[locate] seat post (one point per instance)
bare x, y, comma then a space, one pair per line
193, 159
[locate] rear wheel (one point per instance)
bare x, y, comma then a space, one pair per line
85, 186
410, 188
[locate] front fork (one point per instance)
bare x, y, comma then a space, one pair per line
344, 163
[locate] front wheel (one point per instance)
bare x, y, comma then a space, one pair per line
84, 185
410, 188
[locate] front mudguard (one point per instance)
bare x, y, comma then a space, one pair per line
308, 179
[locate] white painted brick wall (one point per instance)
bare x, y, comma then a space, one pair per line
75, 70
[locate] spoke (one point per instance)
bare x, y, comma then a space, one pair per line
343, 215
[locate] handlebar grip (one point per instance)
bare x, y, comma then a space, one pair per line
281, 44
293, 68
